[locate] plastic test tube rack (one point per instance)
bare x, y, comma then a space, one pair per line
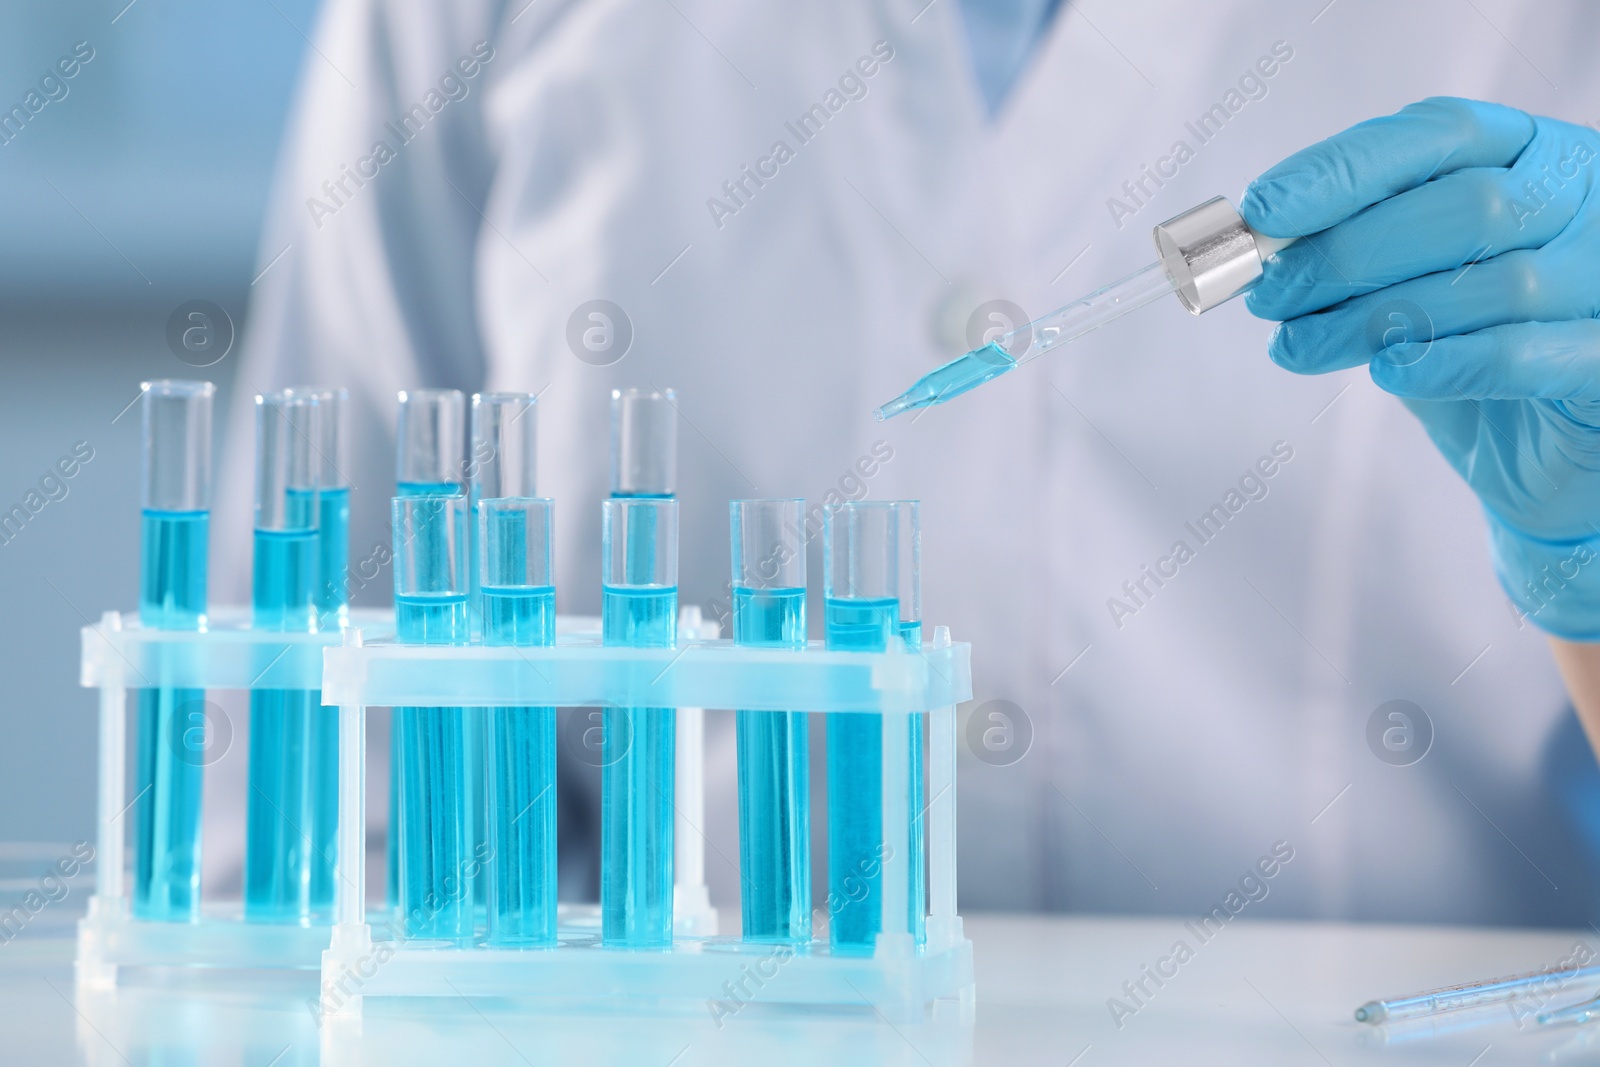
364, 667
118, 655
898, 978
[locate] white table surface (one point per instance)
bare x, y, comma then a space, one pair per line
1257, 993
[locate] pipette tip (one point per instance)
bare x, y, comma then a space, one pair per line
1371, 1012
892, 408
1582, 1012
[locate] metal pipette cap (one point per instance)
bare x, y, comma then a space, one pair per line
288, 467
429, 439
644, 442
503, 445
1211, 254
175, 418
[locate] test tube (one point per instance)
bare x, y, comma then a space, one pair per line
519, 608
644, 443
500, 463
286, 795
638, 609
769, 611
908, 568
333, 607
175, 500
862, 590
503, 444
438, 863
333, 508
908, 584
429, 439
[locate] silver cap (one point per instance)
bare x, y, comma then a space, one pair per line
1211, 254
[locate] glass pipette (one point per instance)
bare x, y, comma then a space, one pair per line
1472, 995
1582, 1012
1208, 255
1031, 341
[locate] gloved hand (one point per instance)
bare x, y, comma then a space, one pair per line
1455, 249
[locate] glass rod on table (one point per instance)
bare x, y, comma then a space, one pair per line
1467, 995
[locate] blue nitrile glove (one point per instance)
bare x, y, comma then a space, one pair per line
1456, 251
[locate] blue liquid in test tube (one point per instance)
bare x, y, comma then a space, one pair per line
438, 858
286, 865
500, 463
175, 493
333, 512
333, 555
908, 585
333, 612
519, 609
864, 587
769, 611
429, 438
638, 609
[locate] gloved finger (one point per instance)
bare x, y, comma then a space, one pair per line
1437, 226
1549, 284
1325, 184
1520, 361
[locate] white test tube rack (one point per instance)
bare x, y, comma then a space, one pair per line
117, 655
364, 667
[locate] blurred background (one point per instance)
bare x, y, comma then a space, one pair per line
139, 190
138, 186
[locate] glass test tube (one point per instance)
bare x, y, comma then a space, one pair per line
769, 611
503, 444
285, 797
175, 500
438, 864
333, 607
644, 443
908, 583
429, 439
333, 509
500, 463
501, 460
862, 591
638, 609
519, 608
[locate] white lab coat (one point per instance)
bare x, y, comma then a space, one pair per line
1174, 745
